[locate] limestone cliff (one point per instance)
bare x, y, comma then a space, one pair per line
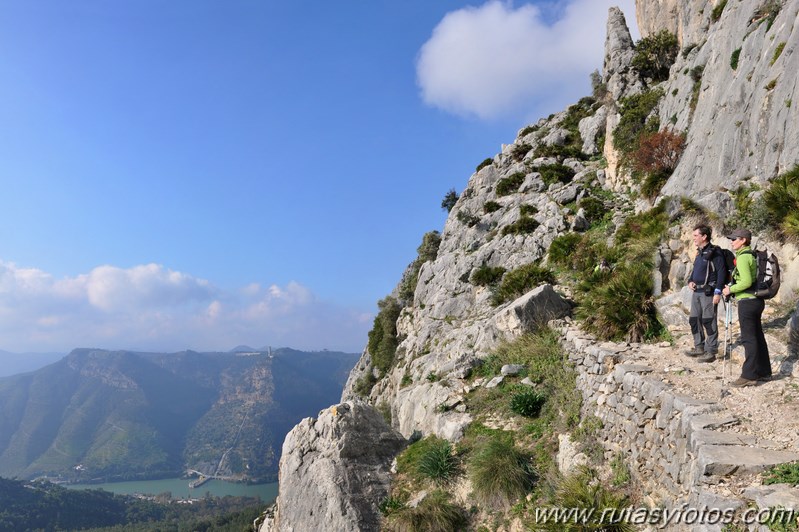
745, 122
740, 128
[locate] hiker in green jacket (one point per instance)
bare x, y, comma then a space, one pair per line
757, 365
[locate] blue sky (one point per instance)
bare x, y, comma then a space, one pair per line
201, 174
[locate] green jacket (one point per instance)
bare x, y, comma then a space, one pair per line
744, 274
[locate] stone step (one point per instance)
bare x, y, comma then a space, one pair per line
716, 461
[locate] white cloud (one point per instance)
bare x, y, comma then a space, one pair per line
153, 308
497, 59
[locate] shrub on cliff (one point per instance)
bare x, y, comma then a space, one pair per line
426, 252
501, 473
634, 111
383, 340
655, 54
555, 173
621, 306
782, 202
524, 225
436, 513
487, 275
430, 458
656, 157
521, 280
583, 489
450, 199
510, 184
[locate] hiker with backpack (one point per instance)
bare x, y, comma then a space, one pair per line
745, 286
707, 280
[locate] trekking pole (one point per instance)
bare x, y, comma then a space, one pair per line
726, 352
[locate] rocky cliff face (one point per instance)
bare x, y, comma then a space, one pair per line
742, 128
745, 121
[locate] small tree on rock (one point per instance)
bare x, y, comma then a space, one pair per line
450, 199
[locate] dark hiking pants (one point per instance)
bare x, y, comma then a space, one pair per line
757, 363
704, 322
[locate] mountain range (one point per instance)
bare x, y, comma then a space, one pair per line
114, 415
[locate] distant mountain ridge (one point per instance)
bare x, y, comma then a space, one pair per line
99, 414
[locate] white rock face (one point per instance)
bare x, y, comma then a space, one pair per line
335, 470
746, 119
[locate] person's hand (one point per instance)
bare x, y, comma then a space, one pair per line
716, 299
726, 291
692, 286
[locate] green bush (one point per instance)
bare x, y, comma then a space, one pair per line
594, 208
524, 225
554, 173
782, 203
527, 210
486, 162
500, 472
718, 10
426, 252
563, 247
734, 58
436, 513
466, 218
584, 490
634, 111
521, 280
566, 151
519, 151
621, 305
438, 463
510, 184
782, 474
491, 206
526, 131
391, 505
430, 458
527, 401
653, 184
363, 386
655, 54
450, 199
623, 308
777, 52
383, 340
487, 275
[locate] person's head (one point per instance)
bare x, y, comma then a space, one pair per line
702, 234
740, 238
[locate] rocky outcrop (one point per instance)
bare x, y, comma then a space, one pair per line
335, 470
618, 73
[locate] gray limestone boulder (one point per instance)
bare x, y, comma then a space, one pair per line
335, 470
590, 128
531, 310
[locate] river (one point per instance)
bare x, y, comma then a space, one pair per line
179, 487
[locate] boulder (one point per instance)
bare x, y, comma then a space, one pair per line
335, 470
531, 310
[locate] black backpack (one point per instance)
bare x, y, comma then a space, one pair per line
767, 281
723, 278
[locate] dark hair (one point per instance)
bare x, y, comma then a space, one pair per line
704, 230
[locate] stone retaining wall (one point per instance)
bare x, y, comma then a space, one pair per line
668, 440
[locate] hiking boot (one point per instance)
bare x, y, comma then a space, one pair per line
740, 382
764, 379
706, 357
695, 352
